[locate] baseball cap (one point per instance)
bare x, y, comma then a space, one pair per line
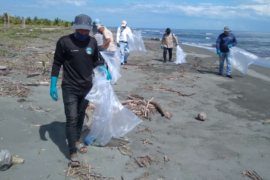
82, 21
227, 28
97, 22
124, 23
99, 26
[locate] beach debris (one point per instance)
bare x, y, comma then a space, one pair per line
84, 172
166, 159
150, 88
3, 68
13, 89
201, 116
146, 129
145, 141
144, 108
35, 108
266, 122
6, 160
144, 161
40, 150
32, 75
38, 84
121, 151
252, 175
145, 176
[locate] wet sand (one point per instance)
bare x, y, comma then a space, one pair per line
231, 140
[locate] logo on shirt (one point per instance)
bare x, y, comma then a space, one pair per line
89, 51
75, 50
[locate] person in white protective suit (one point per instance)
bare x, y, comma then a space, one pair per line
122, 41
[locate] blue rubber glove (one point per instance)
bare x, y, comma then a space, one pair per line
109, 77
53, 90
230, 46
218, 51
161, 47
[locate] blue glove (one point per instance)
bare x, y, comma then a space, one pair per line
161, 47
218, 52
53, 90
109, 77
230, 46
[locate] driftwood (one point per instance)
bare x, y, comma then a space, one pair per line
252, 175
144, 108
38, 84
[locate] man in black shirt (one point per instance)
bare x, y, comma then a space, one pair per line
78, 53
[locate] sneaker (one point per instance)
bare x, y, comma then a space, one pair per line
125, 62
229, 76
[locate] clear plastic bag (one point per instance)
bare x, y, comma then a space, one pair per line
180, 56
135, 41
113, 60
5, 160
241, 59
110, 118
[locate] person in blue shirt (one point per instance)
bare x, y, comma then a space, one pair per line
224, 42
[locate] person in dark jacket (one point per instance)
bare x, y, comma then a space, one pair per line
224, 42
78, 54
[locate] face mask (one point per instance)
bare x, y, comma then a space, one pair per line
81, 37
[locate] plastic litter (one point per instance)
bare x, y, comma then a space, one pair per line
110, 118
5, 160
113, 60
180, 56
135, 41
241, 59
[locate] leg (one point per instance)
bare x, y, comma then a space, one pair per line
170, 53
221, 62
229, 63
82, 105
164, 54
126, 52
122, 47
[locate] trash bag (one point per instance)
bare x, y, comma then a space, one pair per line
5, 160
180, 56
241, 59
110, 118
135, 42
113, 60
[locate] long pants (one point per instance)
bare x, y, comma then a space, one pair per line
165, 53
75, 105
228, 58
124, 49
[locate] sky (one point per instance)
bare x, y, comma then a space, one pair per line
240, 15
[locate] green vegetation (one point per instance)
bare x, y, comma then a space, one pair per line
16, 20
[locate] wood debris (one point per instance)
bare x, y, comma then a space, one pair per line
146, 129
84, 172
150, 88
145, 176
252, 175
145, 141
266, 122
13, 89
166, 159
144, 108
144, 161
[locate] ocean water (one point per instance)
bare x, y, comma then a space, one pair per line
257, 43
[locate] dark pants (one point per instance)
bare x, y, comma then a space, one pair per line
165, 54
75, 106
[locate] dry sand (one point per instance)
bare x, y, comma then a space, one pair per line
231, 140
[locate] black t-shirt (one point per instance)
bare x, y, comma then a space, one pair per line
78, 58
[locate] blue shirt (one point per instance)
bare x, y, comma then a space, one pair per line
224, 41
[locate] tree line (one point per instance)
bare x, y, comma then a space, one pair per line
16, 20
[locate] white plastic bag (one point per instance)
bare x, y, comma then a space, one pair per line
135, 42
113, 59
241, 59
110, 118
180, 56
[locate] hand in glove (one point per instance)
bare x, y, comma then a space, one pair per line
53, 90
218, 52
230, 46
161, 47
109, 77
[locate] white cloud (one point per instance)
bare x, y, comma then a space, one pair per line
75, 2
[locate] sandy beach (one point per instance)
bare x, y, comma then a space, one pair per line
230, 141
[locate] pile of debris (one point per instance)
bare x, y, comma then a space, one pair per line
144, 108
84, 172
13, 89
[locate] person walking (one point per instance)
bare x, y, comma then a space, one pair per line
78, 54
98, 36
122, 41
225, 41
167, 44
108, 44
